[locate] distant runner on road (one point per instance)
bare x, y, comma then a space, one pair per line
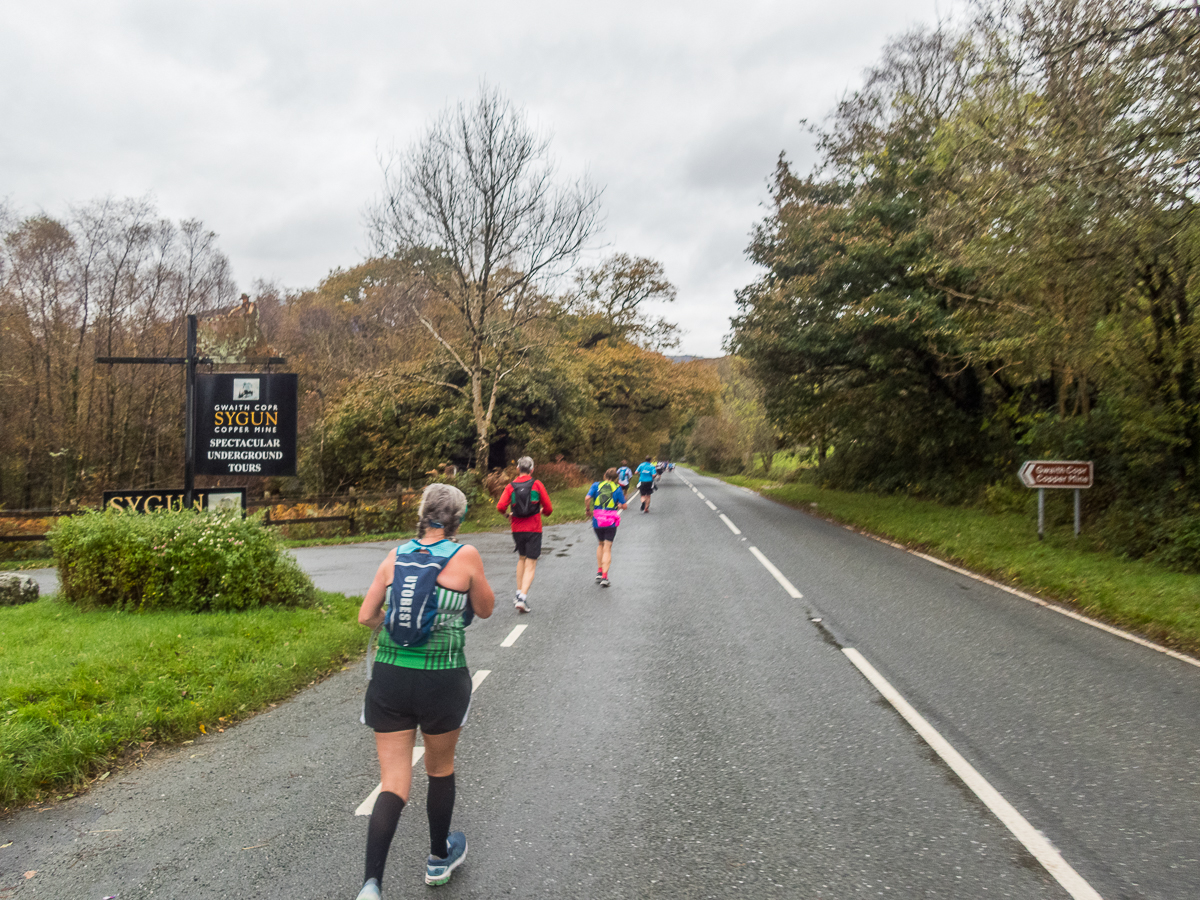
646, 473
525, 500
423, 684
624, 476
606, 500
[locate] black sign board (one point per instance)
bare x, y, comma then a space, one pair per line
151, 501
246, 424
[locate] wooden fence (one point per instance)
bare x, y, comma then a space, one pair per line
358, 509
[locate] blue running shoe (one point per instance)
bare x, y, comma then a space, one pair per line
370, 890
437, 871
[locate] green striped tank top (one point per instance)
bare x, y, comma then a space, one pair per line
443, 650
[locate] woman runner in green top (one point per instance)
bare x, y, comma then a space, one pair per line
428, 686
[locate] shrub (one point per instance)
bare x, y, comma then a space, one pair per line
561, 475
1180, 548
181, 560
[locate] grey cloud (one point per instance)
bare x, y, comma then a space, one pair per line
263, 117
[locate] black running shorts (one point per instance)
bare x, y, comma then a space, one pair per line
645, 488
605, 534
400, 699
529, 543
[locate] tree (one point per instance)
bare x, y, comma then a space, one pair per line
609, 300
476, 207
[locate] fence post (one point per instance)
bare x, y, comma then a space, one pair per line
353, 512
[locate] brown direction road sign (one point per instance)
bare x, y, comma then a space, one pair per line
1056, 473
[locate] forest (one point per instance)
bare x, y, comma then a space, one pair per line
383, 402
995, 259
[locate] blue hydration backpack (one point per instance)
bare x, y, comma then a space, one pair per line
412, 596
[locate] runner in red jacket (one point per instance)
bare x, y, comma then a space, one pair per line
525, 501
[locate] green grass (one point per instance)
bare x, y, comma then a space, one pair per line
79, 689
1133, 594
17, 565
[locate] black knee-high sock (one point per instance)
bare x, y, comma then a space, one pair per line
382, 828
439, 804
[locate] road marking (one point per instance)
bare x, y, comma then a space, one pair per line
700, 495
1069, 613
512, 638
732, 527
368, 806
770, 567
1024, 832
710, 505
365, 808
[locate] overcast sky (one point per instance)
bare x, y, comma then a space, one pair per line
266, 119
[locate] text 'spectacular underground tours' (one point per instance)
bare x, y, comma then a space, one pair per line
246, 424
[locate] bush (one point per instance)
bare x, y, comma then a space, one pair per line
1180, 548
180, 560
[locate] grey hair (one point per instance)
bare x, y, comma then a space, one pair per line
442, 506
525, 464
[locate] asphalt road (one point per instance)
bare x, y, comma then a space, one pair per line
691, 732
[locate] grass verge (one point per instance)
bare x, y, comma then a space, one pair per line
18, 565
80, 689
1132, 594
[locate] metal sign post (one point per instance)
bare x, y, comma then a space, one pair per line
1060, 474
191, 360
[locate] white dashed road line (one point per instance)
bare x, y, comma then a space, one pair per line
368, 805
779, 576
1024, 832
1033, 841
710, 505
512, 637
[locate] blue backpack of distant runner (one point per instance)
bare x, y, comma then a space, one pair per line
412, 604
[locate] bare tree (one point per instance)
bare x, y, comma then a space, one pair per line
475, 204
610, 298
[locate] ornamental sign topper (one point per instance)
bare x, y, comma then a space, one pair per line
246, 424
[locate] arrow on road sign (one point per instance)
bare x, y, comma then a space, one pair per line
1056, 473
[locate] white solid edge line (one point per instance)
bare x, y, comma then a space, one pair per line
770, 567
732, 527
512, 636
710, 505
1024, 832
1069, 613
368, 806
